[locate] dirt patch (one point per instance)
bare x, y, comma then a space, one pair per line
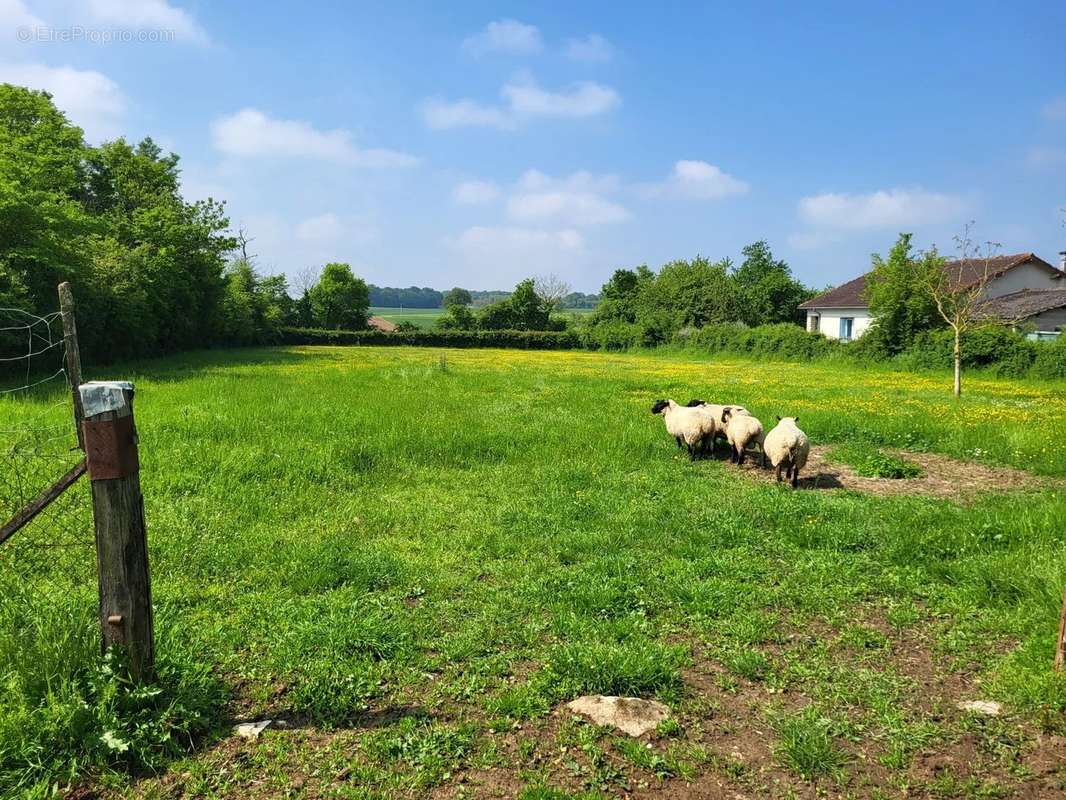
941, 476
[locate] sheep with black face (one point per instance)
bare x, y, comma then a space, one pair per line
741, 430
690, 427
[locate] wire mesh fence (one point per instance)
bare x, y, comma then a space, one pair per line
38, 446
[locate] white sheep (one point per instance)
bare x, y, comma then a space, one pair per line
742, 430
714, 410
787, 446
691, 426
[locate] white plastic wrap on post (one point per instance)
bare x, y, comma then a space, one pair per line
100, 396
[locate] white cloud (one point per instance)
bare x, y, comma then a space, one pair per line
90, 99
147, 15
505, 36
880, 209
250, 133
591, 48
574, 201
582, 99
329, 228
441, 114
524, 100
474, 193
323, 228
506, 254
1040, 157
15, 14
812, 240
699, 180
1055, 109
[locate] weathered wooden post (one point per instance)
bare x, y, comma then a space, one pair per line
73, 356
110, 438
1060, 644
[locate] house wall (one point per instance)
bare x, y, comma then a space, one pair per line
1025, 276
1051, 320
829, 321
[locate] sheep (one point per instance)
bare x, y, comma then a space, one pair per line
715, 411
787, 446
690, 426
741, 430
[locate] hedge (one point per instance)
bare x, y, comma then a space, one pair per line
526, 340
782, 340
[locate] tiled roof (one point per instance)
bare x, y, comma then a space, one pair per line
967, 271
1018, 306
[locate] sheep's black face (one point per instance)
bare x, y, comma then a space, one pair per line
694, 403
659, 406
726, 414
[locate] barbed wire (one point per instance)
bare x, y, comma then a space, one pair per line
38, 444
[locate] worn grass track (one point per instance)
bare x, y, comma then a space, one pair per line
413, 555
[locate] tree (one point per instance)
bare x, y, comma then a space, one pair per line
551, 290
44, 224
900, 303
687, 294
767, 291
619, 296
458, 318
339, 301
958, 291
498, 316
527, 307
457, 297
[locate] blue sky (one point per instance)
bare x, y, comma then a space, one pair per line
475, 143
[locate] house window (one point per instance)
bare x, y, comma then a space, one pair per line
847, 325
812, 323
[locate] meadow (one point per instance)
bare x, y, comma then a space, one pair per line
410, 558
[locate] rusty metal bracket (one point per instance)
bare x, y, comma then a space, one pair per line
110, 448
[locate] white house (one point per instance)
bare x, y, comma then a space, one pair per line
1024, 290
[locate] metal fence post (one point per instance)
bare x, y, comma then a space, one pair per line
110, 438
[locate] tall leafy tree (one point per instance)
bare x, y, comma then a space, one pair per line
43, 221
339, 301
767, 292
900, 302
457, 297
619, 296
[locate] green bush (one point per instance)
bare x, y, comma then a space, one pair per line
1005, 351
1050, 361
611, 335
528, 340
782, 340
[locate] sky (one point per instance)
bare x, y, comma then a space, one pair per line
475, 144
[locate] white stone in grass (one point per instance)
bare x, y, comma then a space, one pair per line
251, 730
631, 715
986, 707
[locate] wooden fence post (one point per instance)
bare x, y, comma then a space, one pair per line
110, 439
1060, 645
73, 355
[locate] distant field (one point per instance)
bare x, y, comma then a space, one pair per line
425, 317
422, 317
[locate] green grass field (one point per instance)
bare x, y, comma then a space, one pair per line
412, 557
422, 317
